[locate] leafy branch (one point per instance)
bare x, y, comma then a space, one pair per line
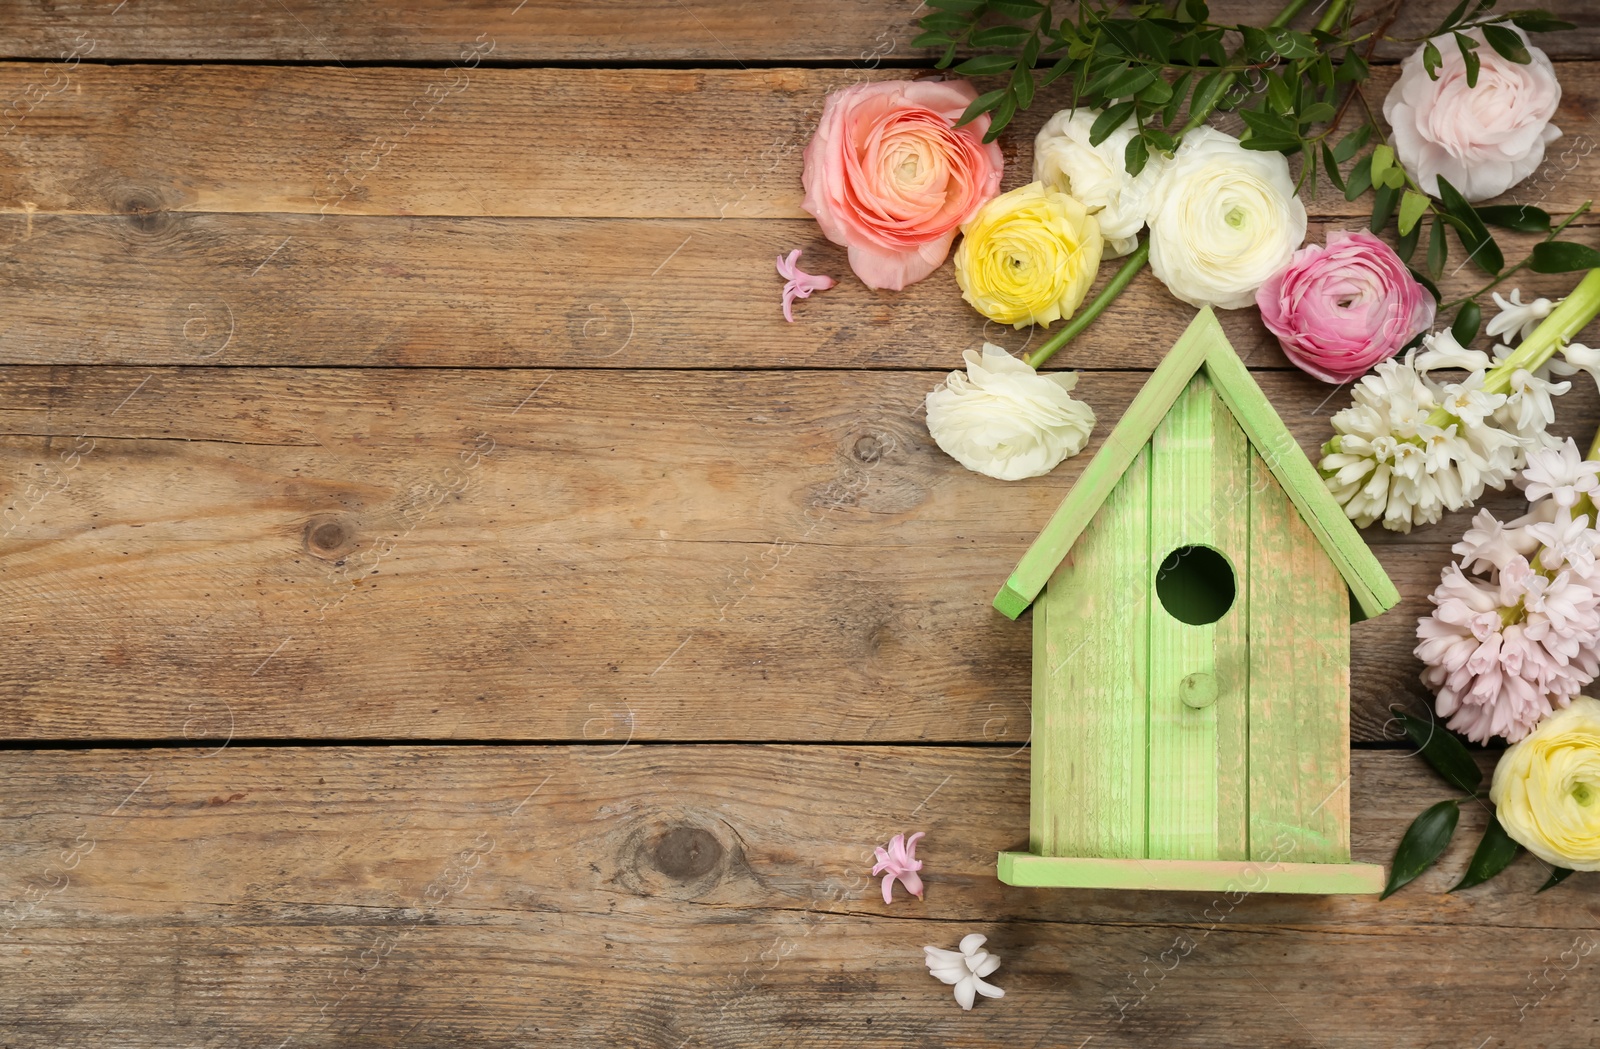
1430, 833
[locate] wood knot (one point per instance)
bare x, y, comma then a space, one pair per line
868, 448
329, 537
686, 853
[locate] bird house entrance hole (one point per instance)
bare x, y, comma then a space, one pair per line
1196, 585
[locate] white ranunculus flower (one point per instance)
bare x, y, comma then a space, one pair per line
1096, 176
1222, 220
1005, 420
1483, 139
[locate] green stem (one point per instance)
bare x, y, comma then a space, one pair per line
1081, 320
1286, 16
1554, 332
1331, 16
1594, 447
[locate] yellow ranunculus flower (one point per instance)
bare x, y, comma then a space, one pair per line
1028, 256
1547, 788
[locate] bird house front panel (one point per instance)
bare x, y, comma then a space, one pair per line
1191, 659
1197, 617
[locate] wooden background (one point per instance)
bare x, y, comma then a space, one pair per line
444, 604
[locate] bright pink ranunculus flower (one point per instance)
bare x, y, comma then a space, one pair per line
1341, 309
889, 175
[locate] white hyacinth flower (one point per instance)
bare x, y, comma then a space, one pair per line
1441, 350
1388, 462
1575, 357
1517, 316
965, 969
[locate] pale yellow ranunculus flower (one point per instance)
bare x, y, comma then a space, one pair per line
1547, 788
1028, 256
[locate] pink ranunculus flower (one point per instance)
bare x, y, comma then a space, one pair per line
1341, 309
1483, 139
889, 175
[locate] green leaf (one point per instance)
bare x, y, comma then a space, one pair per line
1269, 131
1279, 97
1524, 218
1158, 93
1152, 40
1438, 249
1016, 8
1206, 91
945, 22
1406, 245
1317, 113
1557, 876
1433, 289
1108, 121
1353, 69
1467, 46
1103, 72
1197, 10
1507, 44
1180, 91
1289, 44
1331, 166
1493, 855
1424, 842
1130, 82
1022, 84
1432, 60
1384, 199
1382, 161
1540, 22
1002, 36
1439, 746
1136, 156
1001, 116
1061, 66
1159, 139
948, 57
932, 40
1360, 179
1465, 329
981, 105
985, 65
1257, 48
1412, 207
1563, 256
1481, 248
1351, 144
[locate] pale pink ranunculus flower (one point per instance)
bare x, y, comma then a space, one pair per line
889, 175
1483, 139
1340, 310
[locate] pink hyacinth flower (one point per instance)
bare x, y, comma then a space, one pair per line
899, 861
800, 283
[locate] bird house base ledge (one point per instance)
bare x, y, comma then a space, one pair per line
1246, 876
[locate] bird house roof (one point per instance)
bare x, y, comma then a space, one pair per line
1204, 346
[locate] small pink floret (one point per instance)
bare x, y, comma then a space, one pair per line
800, 283
899, 862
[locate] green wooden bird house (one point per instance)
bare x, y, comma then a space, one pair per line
1192, 600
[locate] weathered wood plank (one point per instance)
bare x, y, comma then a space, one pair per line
136, 139
862, 32
1197, 808
628, 536
652, 895
1091, 682
1299, 685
